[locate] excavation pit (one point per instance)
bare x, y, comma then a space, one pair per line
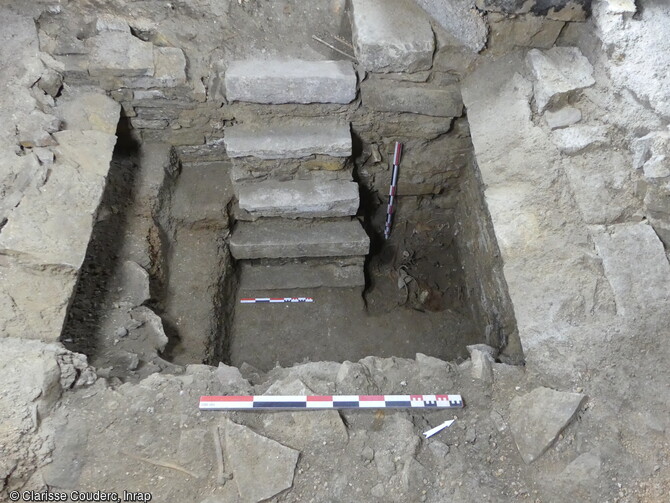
172, 220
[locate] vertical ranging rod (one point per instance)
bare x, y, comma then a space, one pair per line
394, 186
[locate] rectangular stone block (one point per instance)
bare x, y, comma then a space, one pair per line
289, 139
291, 81
300, 198
279, 238
384, 96
149, 123
392, 36
170, 70
305, 273
120, 54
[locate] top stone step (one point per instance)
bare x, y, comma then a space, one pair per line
291, 81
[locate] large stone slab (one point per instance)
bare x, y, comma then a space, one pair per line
536, 419
310, 273
290, 81
392, 36
120, 54
390, 96
278, 238
535, 219
558, 71
34, 301
636, 267
53, 225
261, 467
300, 198
289, 139
460, 19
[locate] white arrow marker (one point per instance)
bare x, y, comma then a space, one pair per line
438, 428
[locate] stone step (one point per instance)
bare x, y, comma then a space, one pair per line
299, 198
280, 238
291, 81
303, 273
392, 36
289, 139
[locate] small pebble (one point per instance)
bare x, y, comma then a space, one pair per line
368, 454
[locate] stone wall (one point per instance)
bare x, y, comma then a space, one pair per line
483, 267
56, 155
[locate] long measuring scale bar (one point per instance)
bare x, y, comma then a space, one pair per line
308, 402
397, 152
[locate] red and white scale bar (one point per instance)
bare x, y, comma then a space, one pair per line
329, 402
275, 300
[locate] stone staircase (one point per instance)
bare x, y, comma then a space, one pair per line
296, 196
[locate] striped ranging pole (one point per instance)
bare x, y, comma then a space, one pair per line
394, 186
275, 300
289, 402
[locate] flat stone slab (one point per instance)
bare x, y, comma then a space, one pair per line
558, 71
300, 198
261, 467
53, 225
536, 419
392, 36
279, 238
291, 81
390, 96
120, 54
289, 139
636, 267
310, 273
